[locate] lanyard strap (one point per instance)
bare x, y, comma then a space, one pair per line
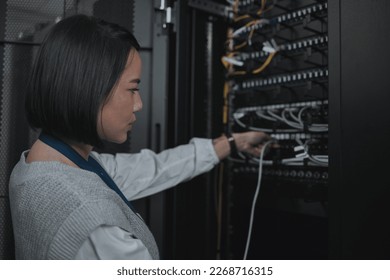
91, 164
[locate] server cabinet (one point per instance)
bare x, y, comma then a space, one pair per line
295, 203
359, 132
193, 108
329, 75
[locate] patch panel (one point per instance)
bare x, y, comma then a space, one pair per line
283, 79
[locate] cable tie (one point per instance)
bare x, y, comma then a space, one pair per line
298, 148
238, 115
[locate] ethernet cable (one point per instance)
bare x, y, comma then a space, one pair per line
259, 12
265, 64
314, 160
261, 162
255, 197
312, 128
238, 116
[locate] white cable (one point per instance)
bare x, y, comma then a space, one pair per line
321, 160
255, 197
261, 129
300, 114
241, 155
237, 117
283, 161
299, 141
284, 120
264, 116
318, 161
290, 123
290, 111
312, 128
239, 31
259, 23
233, 61
240, 123
272, 114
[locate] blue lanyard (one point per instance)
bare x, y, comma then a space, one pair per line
91, 164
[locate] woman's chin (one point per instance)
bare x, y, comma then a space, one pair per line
118, 140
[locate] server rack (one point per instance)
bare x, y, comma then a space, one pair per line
281, 88
318, 201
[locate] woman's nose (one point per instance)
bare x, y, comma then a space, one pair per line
137, 103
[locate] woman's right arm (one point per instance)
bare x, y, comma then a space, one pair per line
146, 173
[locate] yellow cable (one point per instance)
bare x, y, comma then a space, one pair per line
235, 7
225, 103
262, 8
227, 63
243, 44
252, 22
241, 17
237, 73
269, 8
265, 64
259, 12
251, 34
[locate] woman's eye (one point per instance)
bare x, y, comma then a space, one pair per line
133, 90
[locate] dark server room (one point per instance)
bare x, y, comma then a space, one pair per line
312, 74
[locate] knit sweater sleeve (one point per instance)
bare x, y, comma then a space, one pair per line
146, 173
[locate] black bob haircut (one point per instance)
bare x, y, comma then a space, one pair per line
76, 67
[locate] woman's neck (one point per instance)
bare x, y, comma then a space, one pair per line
82, 149
43, 152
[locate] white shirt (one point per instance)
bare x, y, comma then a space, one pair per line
139, 175
112, 243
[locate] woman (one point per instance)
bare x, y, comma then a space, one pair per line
68, 202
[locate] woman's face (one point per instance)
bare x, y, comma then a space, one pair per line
117, 116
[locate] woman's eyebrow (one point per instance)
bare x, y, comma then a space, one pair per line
135, 81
